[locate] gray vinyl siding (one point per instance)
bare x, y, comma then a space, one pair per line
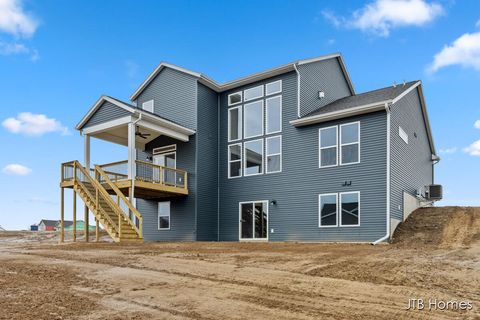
175, 97
106, 112
182, 209
411, 165
207, 165
296, 188
325, 75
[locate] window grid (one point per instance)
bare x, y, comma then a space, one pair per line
230, 161
335, 145
349, 143
273, 154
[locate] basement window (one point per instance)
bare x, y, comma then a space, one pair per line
164, 215
350, 209
327, 207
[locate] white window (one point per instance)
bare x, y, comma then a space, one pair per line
328, 141
274, 114
350, 143
253, 119
327, 210
148, 106
349, 209
403, 134
253, 163
235, 160
164, 215
234, 98
274, 154
273, 87
253, 93
235, 123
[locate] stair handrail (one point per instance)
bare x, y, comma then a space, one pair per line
104, 193
120, 194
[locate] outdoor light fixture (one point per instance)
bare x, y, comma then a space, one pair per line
321, 94
273, 202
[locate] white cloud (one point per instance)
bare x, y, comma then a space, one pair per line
14, 20
477, 124
132, 68
33, 124
380, 16
473, 149
12, 48
42, 200
464, 51
448, 150
477, 24
16, 169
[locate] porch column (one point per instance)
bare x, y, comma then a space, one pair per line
86, 155
131, 152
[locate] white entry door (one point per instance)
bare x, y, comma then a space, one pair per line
168, 160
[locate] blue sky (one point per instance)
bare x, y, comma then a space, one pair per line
58, 57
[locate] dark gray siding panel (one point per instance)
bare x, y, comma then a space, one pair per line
411, 165
207, 164
296, 188
327, 76
106, 112
175, 97
182, 215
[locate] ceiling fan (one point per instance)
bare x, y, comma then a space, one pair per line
140, 134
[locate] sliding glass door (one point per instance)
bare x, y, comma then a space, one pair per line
254, 220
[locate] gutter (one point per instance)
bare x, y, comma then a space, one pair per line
387, 235
298, 88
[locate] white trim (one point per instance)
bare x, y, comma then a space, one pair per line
320, 210
273, 154
105, 126
245, 158
275, 92
231, 94
266, 115
404, 93
253, 221
403, 134
320, 147
152, 102
98, 104
340, 144
340, 209
164, 130
164, 149
377, 106
240, 131
245, 106
298, 89
163, 215
164, 122
229, 161
251, 89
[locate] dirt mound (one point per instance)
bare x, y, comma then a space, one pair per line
445, 227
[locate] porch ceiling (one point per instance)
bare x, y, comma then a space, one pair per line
119, 135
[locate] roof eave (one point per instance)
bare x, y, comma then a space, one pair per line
97, 105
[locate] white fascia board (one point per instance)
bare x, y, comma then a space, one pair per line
340, 114
165, 123
102, 127
403, 94
97, 105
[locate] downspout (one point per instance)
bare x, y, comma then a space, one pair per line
387, 235
298, 89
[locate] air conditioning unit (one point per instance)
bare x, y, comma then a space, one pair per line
433, 192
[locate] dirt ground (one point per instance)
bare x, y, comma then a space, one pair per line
435, 255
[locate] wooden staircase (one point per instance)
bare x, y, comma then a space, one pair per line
115, 216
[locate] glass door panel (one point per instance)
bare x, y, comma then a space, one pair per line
246, 221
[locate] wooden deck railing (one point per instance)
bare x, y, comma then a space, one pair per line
149, 172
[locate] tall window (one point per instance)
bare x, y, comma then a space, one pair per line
253, 113
350, 209
328, 210
253, 163
274, 154
235, 160
164, 215
235, 123
328, 147
274, 114
350, 143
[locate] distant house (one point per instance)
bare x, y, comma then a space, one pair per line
47, 225
34, 227
80, 226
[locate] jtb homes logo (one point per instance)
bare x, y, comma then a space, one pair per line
435, 304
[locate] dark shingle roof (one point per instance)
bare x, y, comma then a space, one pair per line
49, 223
365, 98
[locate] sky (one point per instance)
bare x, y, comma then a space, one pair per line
58, 57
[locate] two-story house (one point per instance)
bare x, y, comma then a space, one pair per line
290, 153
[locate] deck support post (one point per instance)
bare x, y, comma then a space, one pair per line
62, 215
86, 154
97, 230
86, 225
74, 216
